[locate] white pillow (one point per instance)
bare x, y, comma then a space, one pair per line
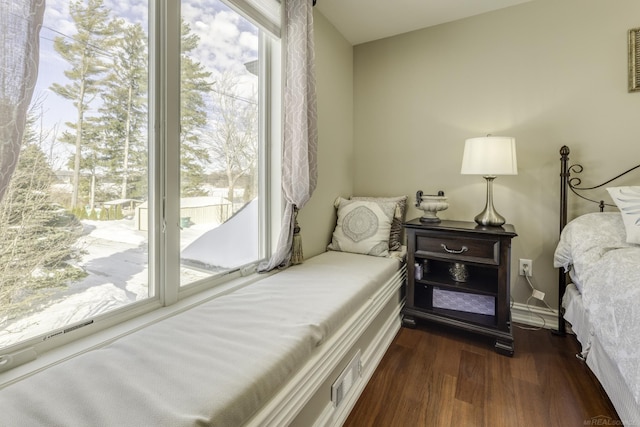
627, 199
363, 227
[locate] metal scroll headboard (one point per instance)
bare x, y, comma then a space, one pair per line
574, 183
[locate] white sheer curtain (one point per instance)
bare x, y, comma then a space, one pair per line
20, 23
300, 144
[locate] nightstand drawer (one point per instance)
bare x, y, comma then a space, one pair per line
485, 251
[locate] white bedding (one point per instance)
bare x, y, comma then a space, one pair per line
598, 360
606, 270
577, 316
214, 365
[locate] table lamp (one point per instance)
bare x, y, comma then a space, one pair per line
489, 156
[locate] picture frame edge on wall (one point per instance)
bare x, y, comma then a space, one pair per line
634, 59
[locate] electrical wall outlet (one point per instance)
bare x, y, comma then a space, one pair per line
526, 267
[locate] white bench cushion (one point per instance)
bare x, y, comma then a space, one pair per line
215, 364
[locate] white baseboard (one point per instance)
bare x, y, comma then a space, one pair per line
534, 316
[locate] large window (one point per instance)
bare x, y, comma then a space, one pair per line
143, 170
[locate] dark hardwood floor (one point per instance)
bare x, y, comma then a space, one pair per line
433, 376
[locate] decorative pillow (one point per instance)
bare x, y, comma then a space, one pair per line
395, 237
363, 227
627, 199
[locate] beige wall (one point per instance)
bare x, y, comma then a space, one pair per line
334, 79
548, 72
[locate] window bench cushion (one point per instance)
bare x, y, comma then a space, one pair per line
215, 364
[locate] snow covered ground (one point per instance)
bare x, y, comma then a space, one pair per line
117, 267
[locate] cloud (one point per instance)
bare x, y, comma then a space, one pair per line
57, 20
133, 11
227, 40
248, 41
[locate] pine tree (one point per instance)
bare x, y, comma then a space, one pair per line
87, 52
194, 85
90, 161
124, 115
36, 235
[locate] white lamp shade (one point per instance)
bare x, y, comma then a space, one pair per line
490, 156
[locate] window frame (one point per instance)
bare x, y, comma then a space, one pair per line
166, 296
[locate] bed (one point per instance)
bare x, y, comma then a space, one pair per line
598, 256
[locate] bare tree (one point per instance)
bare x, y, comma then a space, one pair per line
235, 135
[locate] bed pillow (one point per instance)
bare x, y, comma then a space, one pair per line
363, 227
395, 237
585, 240
627, 199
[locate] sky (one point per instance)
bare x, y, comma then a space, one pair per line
227, 42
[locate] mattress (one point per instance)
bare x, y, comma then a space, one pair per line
214, 365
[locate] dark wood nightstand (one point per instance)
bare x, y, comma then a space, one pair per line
459, 275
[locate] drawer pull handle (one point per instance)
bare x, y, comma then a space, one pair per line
453, 251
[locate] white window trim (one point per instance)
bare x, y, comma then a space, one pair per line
169, 71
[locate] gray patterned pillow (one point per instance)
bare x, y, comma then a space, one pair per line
363, 227
395, 237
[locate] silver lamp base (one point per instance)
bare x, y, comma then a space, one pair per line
489, 216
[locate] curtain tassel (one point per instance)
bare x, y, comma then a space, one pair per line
297, 257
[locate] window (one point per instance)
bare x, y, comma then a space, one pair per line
143, 172
220, 150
